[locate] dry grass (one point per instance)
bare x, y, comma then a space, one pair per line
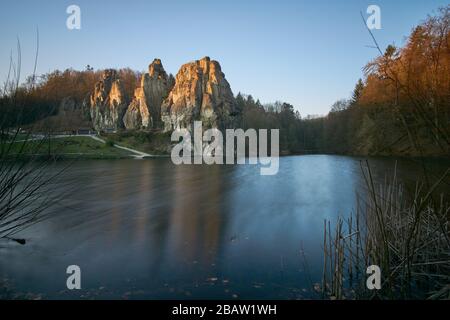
409, 239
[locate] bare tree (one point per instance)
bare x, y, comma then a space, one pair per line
29, 181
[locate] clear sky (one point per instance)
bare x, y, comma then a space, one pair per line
308, 53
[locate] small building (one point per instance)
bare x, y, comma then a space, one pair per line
110, 130
85, 131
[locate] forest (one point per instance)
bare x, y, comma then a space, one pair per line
401, 107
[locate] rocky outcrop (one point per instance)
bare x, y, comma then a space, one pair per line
144, 110
70, 106
108, 104
132, 119
201, 92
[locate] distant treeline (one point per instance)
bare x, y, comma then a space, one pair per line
401, 107
41, 97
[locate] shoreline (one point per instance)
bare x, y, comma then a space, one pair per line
83, 156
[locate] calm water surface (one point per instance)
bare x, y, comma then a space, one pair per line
143, 229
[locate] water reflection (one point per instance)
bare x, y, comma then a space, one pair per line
149, 229
196, 219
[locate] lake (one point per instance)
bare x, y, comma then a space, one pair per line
147, 229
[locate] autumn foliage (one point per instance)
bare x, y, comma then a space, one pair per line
402, 107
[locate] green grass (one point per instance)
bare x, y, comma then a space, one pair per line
70, 147
156, 143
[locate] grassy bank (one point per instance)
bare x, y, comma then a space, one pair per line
155, 143
68, 147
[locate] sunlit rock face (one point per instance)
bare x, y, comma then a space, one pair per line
108, 103
201, 92
144, 111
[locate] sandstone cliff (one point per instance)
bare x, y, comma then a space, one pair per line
144, 111
201, 92
108, 103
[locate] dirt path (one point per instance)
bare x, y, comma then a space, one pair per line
138, 154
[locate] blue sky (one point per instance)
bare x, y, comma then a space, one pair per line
308, 53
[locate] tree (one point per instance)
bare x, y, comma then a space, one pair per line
357, 91
340, 105
29, 182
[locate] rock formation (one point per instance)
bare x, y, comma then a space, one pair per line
144, 110
108, 103
201, 92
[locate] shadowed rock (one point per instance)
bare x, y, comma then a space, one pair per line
201, 92
144, 110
